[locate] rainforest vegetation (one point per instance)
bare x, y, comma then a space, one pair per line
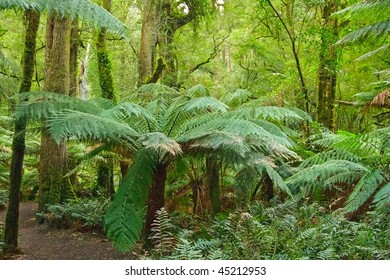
200, 129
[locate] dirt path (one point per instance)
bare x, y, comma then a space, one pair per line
38, 242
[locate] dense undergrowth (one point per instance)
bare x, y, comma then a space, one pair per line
282, 232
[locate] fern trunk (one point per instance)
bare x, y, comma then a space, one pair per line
105, 178
327, 73
18, 141
156, 199
212, 185
53, 155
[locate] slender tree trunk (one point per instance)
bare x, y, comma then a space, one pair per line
52, 163
156, 199
18, 141
267, 190
327, 73
105, 181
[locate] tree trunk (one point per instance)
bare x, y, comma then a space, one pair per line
156, 199
212, 184
267, 190
105, 176
327, 73
18, 141
52, 155
147, 52
74, 50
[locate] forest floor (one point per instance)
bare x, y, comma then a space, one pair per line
39, 242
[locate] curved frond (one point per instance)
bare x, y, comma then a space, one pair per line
366, 187
366, 10
125, 216
373, 30
160, 142
197, 91
238, 98
69, 124
89, 12
382, 197
317, 175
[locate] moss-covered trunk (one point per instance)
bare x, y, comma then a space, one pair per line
18, 141
105, 176
53, 155
156, 198
327, 72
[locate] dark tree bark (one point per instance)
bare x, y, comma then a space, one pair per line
52, 163
327, 73
18, 141
212, 184
156, 199
74, 50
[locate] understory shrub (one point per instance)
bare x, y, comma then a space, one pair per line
3, 198
284, 232
82, 214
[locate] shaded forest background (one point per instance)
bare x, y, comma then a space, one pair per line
200, 128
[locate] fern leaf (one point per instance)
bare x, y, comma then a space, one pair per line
160, 142
125, 216
367, 185
197, 91
373, 31
382, 197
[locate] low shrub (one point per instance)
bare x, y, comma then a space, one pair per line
3, 198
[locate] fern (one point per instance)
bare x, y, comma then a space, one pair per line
198, 91
366, 187
161, 236
90, 13
124, 218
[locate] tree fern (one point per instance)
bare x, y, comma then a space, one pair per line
90, 13
366, 187
125, 216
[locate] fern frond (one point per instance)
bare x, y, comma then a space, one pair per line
89, 12
382, 197
197, 91
7, 66
124, 218
161, 235
69, 124
366, 9
237, 98
160, 142
374, 52
373, 31
366, 187
316, 175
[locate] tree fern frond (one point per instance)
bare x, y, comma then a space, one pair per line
237, 98
323, 157
382, 197
42, 105
89, 12
374, 30
277, 180
160, 142
69, 124
197, 91
366, 9
374, 52
317, 175
124, 218
366, 187
152, 91
252, 110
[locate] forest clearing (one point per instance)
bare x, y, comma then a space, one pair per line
195, 129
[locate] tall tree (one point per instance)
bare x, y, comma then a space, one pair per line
327, 72
53, 155
105, 173
18, 141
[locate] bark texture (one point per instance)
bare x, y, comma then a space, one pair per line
18, 142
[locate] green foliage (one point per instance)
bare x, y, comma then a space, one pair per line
3, 198
85, 214
124, 218
161, 237
89, 12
